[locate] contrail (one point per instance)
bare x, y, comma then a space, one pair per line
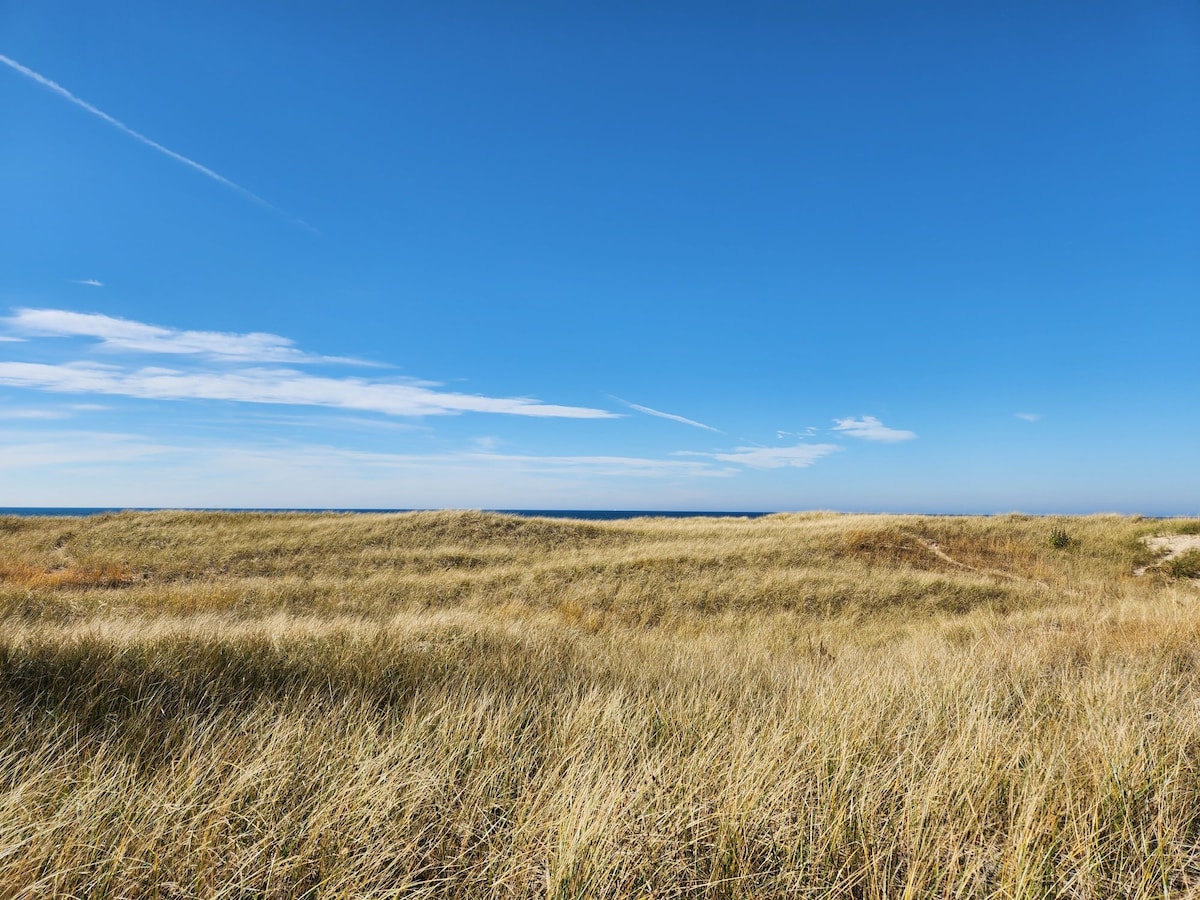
666, 415
118, 124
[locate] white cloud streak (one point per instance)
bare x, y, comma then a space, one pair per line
43, 414
807, 432
90, 448
137, 135
95, 468
798, 456
90, 282
871, 429
78, 448
237, 383
600, 465
1028, 417
277, 386
138, 337
666, 415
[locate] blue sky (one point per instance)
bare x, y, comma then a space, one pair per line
936, 257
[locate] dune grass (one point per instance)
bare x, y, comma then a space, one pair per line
474, 705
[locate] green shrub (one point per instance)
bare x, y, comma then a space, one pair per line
1185, 565
1059, 538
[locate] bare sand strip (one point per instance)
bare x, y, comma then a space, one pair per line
1171, 545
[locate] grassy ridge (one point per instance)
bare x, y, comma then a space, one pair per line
473, 705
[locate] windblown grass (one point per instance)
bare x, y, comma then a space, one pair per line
472, 705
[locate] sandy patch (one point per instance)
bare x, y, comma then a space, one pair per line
1171, 545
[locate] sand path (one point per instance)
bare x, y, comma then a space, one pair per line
935, 548
1172, 545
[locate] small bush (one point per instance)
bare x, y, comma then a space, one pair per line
1059, 538
1185, 565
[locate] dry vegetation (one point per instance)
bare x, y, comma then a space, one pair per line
470, 705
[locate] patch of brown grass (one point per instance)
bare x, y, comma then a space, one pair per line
99, 576
889, 547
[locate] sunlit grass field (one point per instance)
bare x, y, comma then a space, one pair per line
474, 705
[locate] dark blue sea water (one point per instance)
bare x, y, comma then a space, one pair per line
601, 514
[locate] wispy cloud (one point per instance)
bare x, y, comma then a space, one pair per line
33, 414
30, 450
871, 429
1028, 417
600, 465
665, 415
278, 386
85, 468
322, 420
798, 456
217, 370
137, 135
90, 282
76, 448
139, 337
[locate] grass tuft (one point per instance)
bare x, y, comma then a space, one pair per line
1059, 538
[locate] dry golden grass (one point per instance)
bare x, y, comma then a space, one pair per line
27, 576
473, 705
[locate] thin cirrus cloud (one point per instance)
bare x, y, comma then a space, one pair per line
61, 412
277, 386
600, 465
227, 377
91, 448
76, 448
1028, 417
327, 459
798, 456
90, 282
34, 414
666, 415
870, 428
138, 136
139, 337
